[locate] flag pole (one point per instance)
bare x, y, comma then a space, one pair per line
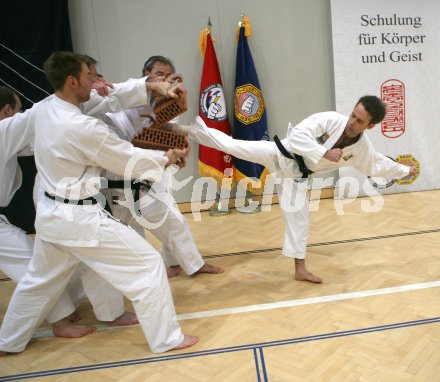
223, 196
221, 207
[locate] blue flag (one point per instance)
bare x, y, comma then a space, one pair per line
250, 121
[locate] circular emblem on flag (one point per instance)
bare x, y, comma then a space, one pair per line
409, 160
249, 104
212, 103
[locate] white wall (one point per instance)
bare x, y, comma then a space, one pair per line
291, 46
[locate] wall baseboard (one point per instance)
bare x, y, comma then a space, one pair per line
325, 193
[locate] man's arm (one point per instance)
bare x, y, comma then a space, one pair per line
101, 85
387, 168
127, 123
17, 132
373, 163
302, 142
122, 158
333, 155
126, 95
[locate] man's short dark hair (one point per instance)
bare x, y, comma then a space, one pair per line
373, 106
148, 66
89, 60
7, 97
60, 65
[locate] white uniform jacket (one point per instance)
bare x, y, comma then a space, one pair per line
17, 132
69, 160
318, 133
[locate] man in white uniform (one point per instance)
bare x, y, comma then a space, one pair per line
16, 247
158, 212
325, 141
71, 228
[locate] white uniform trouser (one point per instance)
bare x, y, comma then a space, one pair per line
293, 195
107, 302
122, 258
165, 222
16, 250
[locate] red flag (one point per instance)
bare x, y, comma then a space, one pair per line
212, 109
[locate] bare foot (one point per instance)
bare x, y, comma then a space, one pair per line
302, 274
2, 353
173, 271
127, 318
65, 328
208, 268
187, 342
305, 275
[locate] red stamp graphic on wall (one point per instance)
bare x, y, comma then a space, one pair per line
393, 95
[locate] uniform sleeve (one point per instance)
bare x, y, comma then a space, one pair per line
388, 168
137, 117
121, 157
125, 95
27, 151
128, 122
303, 138
17, 132
377, 164
140, 117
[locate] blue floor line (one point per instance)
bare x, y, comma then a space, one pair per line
263, 365
257, 366
253, 347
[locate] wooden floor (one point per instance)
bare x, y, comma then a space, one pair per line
375, 318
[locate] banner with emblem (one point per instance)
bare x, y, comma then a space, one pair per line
391, 49
250, 121
212, 109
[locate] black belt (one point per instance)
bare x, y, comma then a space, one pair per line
81, 202
3, 210
135, 186
297, 158
122, 183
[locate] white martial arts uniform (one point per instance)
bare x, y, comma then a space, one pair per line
162, 218
311, 139
15, 245
70, 149
16, 137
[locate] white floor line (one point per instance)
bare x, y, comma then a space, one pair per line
280, 304
307, 301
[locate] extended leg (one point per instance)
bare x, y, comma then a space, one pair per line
262, 152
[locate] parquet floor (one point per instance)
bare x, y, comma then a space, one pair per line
375, 318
